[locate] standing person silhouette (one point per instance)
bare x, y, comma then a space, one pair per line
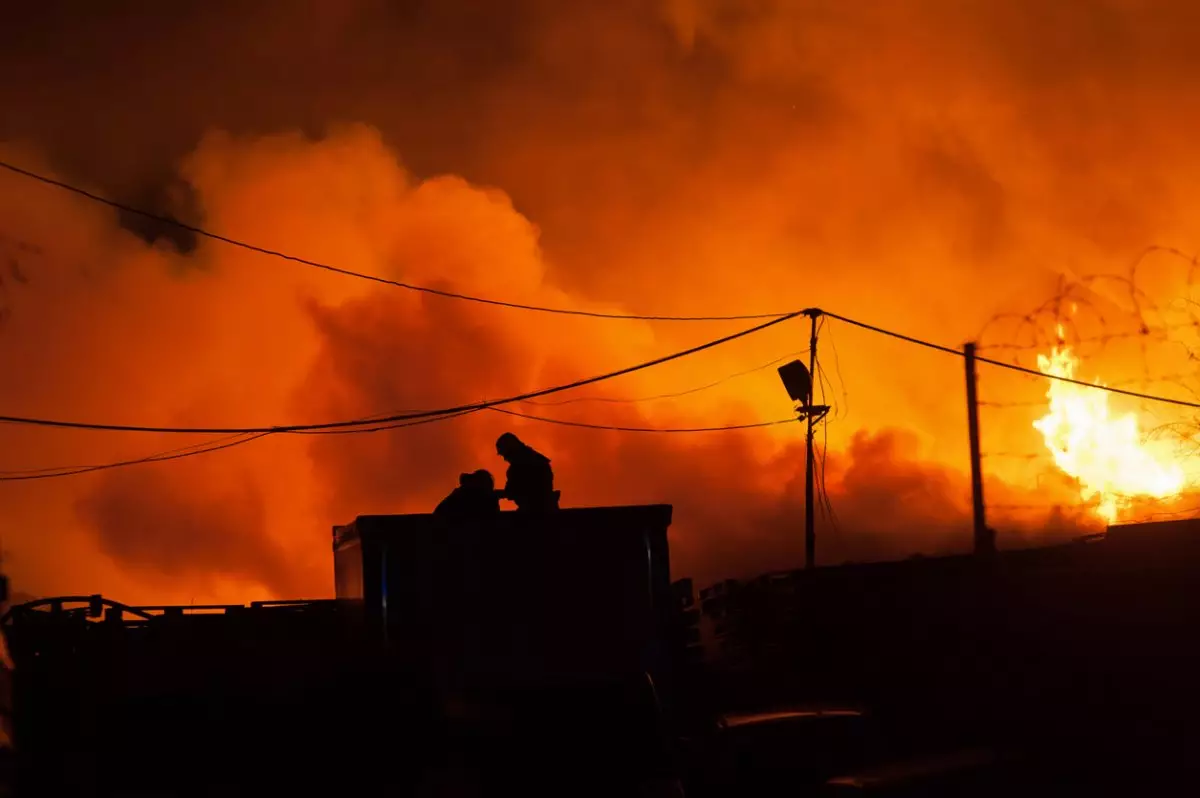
529, 483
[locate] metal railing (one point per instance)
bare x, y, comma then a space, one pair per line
97, 608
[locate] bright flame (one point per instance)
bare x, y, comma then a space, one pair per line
1103, 452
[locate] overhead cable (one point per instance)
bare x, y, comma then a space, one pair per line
229, 442
1013, 366
226, 442
615, 428
69, 471
424, 289
622, 400
289, 428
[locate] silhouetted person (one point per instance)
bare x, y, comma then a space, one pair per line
529, 483
475, 495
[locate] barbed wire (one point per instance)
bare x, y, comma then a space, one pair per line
1142, 326
1080, 302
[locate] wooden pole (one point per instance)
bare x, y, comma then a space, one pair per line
810, 531
985, 542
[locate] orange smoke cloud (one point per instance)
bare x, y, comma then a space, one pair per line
162, 528
139, 334
923, 170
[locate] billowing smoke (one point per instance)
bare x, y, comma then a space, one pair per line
922, 169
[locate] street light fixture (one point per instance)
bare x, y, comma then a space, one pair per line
797, 379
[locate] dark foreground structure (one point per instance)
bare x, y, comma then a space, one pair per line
519, 650
1078, 665
552, 655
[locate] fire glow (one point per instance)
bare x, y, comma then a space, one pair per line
1103, 451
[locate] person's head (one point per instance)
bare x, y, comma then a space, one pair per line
508, 445
477, 480
482, 480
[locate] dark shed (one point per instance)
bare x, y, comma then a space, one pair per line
577, 593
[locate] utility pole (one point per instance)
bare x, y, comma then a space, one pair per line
800, 383
810, 531
985, 542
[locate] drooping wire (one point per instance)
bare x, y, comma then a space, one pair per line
291, 428
837, 370
826, 500
230, 441
581, 383
83, 469
674, 395
1014, 366
614, 428
50, 473
424, 289
226, 442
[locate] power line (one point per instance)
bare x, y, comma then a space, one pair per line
1111, 389
424, 289
230, 441
900, 336
385, 427
826, 502
674, 395
154, 458
227, 442
333, 425
837, 370
1014, 366
613, 428
1041, 403
53, 470
291, 428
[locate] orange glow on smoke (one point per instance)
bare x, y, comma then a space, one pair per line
922, 166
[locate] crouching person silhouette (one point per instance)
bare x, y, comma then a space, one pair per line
475, 495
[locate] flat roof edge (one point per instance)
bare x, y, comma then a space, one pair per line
621, 509
658, 514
